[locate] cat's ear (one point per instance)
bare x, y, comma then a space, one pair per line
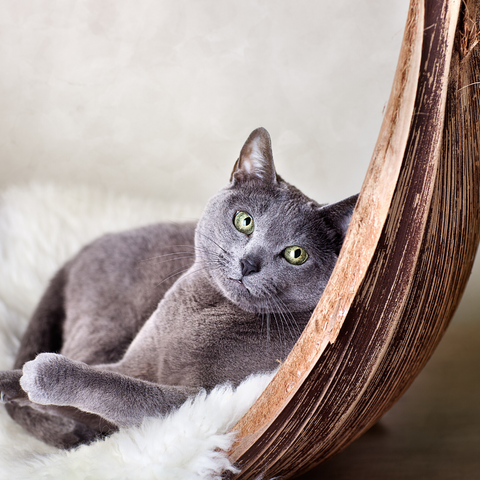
337, 217
256, 159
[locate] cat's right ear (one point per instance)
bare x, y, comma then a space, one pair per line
337, 217
256, 159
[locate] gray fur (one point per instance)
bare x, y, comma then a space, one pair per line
120, 344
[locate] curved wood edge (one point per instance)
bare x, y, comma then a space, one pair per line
360, 243
390, 292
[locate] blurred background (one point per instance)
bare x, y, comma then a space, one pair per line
155, 99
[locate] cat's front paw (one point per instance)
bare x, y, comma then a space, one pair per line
48, 379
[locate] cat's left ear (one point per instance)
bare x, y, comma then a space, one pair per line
256, 159
337, 216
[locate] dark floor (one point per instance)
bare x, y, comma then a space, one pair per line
433, 432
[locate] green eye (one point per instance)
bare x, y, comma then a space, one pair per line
244, 223
295, 255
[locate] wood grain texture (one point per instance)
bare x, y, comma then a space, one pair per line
405, 261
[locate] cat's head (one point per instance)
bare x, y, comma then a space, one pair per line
267, 246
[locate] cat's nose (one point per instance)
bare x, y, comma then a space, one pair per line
250, 265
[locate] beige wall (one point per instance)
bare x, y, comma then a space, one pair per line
158, 96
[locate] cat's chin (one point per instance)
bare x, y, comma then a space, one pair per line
241, 296
237, 293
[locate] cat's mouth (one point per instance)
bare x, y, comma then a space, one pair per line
244, 296
239, 283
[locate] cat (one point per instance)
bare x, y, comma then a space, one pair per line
116, 339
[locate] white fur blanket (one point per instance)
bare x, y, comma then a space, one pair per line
40, 227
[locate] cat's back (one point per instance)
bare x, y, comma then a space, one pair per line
115, 283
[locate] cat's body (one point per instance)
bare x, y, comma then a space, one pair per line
254, 269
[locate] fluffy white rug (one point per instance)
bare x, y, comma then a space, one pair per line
40, 227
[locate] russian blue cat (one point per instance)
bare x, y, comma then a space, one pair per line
115, 338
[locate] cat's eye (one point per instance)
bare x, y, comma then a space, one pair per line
295, 255
244, 223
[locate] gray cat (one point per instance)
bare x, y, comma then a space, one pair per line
132, 345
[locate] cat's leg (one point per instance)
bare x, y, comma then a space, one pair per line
62, 428
10, 388
57, 430
125, 401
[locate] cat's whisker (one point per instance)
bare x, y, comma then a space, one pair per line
171, 259
286, 316
281, 305
166, 255
281, 334
179, 272
184, 276
211, 258
181, 245
294, 322
213, 241
265, 315
265, 330
193, 247
268, 327
278, 322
